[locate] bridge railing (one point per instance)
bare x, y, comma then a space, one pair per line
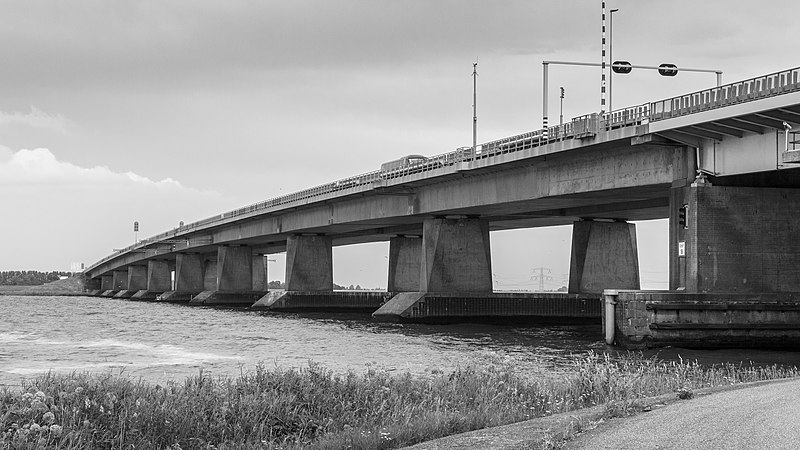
579, 127
730, 94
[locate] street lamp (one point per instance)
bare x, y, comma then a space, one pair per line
610, 55
561, 109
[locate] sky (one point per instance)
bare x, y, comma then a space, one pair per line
161, 111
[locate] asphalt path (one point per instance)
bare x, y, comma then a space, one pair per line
758, 417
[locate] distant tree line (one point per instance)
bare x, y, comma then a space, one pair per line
28, 277
279, 285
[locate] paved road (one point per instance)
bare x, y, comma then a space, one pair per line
760, 417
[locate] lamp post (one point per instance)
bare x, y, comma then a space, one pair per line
610, 56
561, 109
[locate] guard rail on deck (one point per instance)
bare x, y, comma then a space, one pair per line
580, 127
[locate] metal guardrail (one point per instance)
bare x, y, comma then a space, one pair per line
580, 127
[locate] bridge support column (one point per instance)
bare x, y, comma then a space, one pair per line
260, 281
136, 281
405, 262
733, 239
604, 256
234, 278
456, 256
188, 278
119, 282
309, 263
159, 280
91, 286
106, 285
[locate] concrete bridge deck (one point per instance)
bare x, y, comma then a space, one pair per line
598, 172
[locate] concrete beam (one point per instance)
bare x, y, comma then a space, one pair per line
456, 256
309, 263
604, 256
405, 264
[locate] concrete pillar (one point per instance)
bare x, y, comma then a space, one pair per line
188, 272
456, 256
604, 256
210, 273
737, 239
119, 280
106, 282
234, 269
137, 278
309, 263
159, 276
405, 263
260, 282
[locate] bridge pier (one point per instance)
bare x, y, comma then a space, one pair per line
455, 261
734, 273
604, 256
405, 264
159, 280
106, 285
188, 278
232, 275
309, 263
137, 280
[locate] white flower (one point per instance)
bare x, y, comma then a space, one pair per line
40, 396
56, 430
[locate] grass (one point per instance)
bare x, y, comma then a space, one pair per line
315, 408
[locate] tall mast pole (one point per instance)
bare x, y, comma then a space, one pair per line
474, 106
603, 59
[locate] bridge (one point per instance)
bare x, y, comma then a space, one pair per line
720, 163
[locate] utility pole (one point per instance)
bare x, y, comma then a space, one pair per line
474, 107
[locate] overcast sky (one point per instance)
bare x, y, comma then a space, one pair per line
165, 111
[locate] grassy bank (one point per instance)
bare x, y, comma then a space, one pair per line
312, 407
67, 286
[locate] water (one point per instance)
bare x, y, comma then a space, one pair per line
159, 342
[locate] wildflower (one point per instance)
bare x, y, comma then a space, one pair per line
56, 430
35, 427
48, 418
78, 390
40, 396
27, 397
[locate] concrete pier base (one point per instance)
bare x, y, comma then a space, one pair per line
125, 293
488, 307
604, 256
456, 256
176, 296
108, 293
309, 263
405, 259
339, 301
738, 320
145, 295
220, 298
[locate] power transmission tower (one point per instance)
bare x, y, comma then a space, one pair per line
541, 276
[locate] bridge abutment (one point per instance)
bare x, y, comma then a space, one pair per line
604, 256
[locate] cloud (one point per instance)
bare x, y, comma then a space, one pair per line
35, 118
40, 167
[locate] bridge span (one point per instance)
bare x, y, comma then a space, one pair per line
721, 164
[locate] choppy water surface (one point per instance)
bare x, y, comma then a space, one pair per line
159, 342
